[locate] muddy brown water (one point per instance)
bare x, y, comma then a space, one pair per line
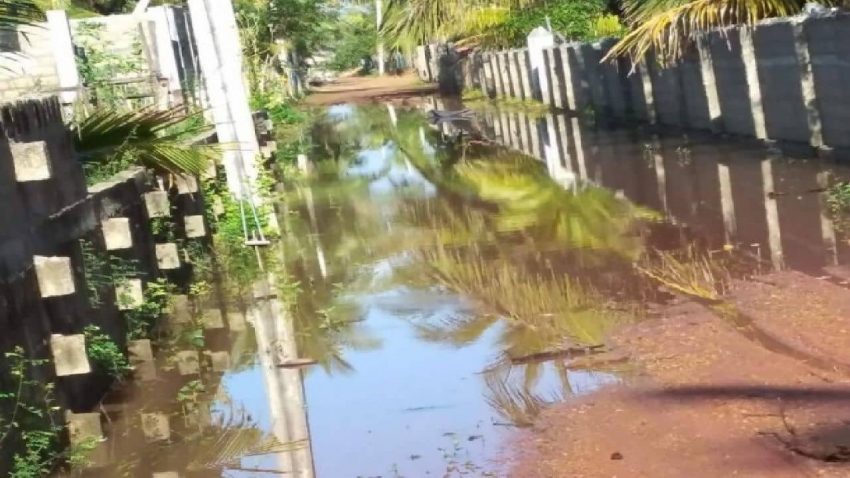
440, 275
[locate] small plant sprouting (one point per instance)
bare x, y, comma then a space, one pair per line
105, 353
163, 228
102, 270
140, 321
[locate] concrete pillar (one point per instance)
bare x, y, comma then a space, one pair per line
69, 355
748, 55
31, 161
648, 95
539, 39
826, 224
167, 257
188, 362
513, 74
555, 78
727, 203
194, 226
504, 75
569, 81
525, 74
379, 19
579, 147
496, 72
129, 294
709, 83
771, 210
155, 426
807, 81
116, 233
166, 60
220, 56
55, 276
63, 54
157, 205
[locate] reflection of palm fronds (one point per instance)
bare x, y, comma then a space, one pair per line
693, 274
519, 405
456, 330
229, 446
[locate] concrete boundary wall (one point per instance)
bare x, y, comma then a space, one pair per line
783, 80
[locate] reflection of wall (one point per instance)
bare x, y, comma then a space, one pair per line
284, 387
726, 192
779, 80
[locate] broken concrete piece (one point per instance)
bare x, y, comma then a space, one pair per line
195, 226
188, 362
157, 205
55, 276
186, 184
155, 426
167, 257
236, 321
117, 234
31, 161
69, 355
140, 350
179, 309
212, 319
220, 361
129, 294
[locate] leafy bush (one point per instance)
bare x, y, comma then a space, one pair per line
356, 39
575, 19
105, 354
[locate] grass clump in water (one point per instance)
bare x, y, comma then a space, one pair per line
691, 273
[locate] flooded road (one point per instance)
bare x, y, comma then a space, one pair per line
437, 285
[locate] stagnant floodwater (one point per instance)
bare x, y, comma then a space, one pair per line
443, 277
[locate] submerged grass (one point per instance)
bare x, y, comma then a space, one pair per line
689, 272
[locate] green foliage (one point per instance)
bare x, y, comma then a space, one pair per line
102, 270
281, 110
106, 7
105, 354
18, 13
26, 424
99, 67
838, 200
356, 38
575, 19
608, 25
140, 320
160, 140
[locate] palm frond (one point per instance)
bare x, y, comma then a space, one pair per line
15, 14
667, 27
157, 139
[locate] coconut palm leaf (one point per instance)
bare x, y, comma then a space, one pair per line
157, 139
667, 27
15, 14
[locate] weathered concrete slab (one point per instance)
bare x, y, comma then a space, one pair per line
157, 205
55, 276
69, 355
167, 257
180, 309
188, 362
186, 184
31, 161
117, 233
155, 426
220, 361
236, 321
195, 226
166, 474
145, 371
212, 319
85, 429
140, 350
129, 294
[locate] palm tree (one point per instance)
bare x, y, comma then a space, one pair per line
160, 140
667, 27
15, 14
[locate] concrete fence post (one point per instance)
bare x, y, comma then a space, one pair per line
539, 39
569, 82
748, 55
514, 73
556, 81
525, 73
649, 98
807, 81
501, 75
63, 53
709, 83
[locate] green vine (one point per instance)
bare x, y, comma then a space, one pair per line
105, 353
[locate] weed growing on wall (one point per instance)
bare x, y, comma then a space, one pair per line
105, 353
141, 320
102, 270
